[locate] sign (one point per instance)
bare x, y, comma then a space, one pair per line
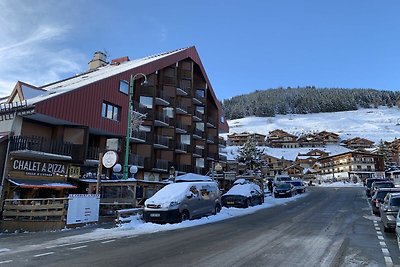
38, 168
74, 171
109, 159
83, 208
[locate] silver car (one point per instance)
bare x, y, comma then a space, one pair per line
389, 209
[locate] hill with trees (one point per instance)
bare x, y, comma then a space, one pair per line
304, 100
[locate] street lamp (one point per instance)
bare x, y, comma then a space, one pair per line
129, 126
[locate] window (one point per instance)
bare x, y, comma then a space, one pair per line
146, 101
200, 126
200, 109
200, 162
110, 111
200, 93
124, 87
185, 139
222, 119
169, 112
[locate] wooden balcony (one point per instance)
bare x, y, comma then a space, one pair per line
162, 99
181, 128
181, 148
161, 120
32, 144
181, 109
161, 141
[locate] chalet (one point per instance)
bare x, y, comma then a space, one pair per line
55, 135
357, 143
274, 165
294, 170
328, 138
281, 139
239, 139
310, 140
353, 166
307, 160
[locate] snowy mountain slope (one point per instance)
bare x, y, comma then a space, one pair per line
374, 124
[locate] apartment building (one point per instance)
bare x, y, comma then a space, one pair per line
53, 135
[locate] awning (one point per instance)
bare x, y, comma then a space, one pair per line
28, 183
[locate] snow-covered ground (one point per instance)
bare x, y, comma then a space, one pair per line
374, 124
138, 226
340, 184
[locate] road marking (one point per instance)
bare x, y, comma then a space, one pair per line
379, 232
84, 246
43, 254
1, 262
380, 237
4, 250
385, 252
377, 228
388, 259
108, 241
383, 244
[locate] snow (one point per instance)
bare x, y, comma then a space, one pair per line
242, 190
373, 124
170, 193
192, 177
339, 184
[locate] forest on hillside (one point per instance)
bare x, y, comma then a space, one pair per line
270, 102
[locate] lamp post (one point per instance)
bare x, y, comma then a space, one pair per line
129, 126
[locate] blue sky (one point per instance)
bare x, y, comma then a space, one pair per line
244, 45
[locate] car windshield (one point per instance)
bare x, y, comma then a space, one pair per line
395, 201
370, 181
283, 186
384, 185
381, 195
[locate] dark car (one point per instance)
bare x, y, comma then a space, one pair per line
389, 209
284, 190
243, 196
378, 197
368, 184
299, 186
381, 184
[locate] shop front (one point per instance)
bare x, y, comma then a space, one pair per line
35, 194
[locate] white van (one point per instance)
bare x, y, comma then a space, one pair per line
182, 201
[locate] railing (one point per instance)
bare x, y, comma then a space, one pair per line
93, 153
161, 140
210, 121
139, 107
198, 151
181, 146
161, 164
140, 135
162, 117
210, 138
41, 144
198, 114
136, 160
35, 209
161, 95
182, 126
199, 133
182, 107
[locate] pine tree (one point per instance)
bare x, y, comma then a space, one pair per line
250, 155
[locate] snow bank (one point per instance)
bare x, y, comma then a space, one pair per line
339, 184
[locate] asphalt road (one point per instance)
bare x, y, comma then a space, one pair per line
328, 227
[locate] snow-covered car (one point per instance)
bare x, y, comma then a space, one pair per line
284, 190
299, 186
243, 196
181, 201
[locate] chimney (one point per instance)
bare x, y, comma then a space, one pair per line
117, 61
99, 60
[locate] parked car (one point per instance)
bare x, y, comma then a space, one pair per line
398, 229
380, 184
389, 209
368, 184
182, 201
284, 190
243, 196
378, 197
299, 186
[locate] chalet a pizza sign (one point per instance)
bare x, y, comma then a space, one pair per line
38, 168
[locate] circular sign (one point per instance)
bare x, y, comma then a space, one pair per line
117, 167
133, 169
218, 167
109, 159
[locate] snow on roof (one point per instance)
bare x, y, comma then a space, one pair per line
243, 190
188, 177
67, 85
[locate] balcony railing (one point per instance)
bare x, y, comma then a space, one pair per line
198, 133
41, 144
161, 164
142, 109
162, 99
181, 109
184, 168
197, 152
181, 127
210, 122
197, 116
161, 119
139, 136
210, 138
181, 147
136, 160
161, 141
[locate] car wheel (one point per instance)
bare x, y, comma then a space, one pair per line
184, 215
247, 203
385, 229
217, 209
